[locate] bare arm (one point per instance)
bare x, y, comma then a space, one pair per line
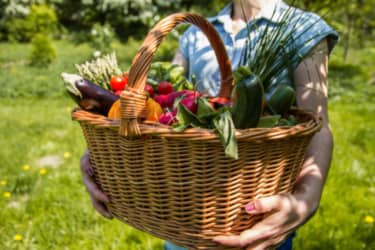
312, 92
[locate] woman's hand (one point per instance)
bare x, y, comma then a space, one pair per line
285, 213
98, 198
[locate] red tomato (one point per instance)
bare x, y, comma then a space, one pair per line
164, 88
118, 82
150, 90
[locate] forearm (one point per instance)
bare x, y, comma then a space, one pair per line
314, 171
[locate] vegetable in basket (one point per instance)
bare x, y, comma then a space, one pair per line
115, 111
168, 72
154, 110
201, 114
88, 95
248, 104
269, 56
101, 70
164, 88
281, 99
118, 83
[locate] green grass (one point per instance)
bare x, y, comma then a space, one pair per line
53, 211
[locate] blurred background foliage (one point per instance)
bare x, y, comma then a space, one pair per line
39, 39
20, 19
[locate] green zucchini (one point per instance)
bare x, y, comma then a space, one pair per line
248, 106
282, 99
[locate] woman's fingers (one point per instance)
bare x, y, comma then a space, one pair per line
265, 205
85, 162
270, 244
93, 189
247, 237
89, 182
101, 208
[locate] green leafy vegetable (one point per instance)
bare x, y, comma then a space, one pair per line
207, 117
205, 111
186, 118
269, 121
224, 126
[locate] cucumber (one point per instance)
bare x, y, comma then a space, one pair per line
282, 99
248, 106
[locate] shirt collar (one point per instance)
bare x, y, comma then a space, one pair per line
273, 12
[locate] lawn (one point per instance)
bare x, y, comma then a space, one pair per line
45, 206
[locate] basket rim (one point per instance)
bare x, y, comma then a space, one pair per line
311, 124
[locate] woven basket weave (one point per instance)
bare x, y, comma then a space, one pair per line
180, 186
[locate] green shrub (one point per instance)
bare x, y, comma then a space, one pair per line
101, 37
42, 51
19, 30
41, 19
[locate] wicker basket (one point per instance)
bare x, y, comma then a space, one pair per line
180, 186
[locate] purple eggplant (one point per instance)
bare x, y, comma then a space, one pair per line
88, 95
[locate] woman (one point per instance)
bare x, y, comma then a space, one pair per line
286, 212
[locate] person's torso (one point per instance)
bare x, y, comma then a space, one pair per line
202, 60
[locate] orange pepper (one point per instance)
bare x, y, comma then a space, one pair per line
154, 110
115, 111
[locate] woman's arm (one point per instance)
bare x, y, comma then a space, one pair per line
312, 94
289, 211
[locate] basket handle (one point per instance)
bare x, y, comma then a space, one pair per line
133, 98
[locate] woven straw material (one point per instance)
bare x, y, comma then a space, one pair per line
180, 186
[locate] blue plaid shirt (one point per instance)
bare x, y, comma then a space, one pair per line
309, 28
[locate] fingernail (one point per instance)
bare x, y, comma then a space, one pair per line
250, 207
